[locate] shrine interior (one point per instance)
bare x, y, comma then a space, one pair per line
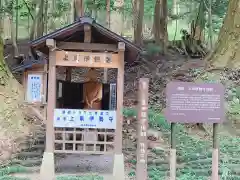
70, 94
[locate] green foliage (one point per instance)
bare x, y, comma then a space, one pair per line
153, 49
12, 169
193, 153
62, 7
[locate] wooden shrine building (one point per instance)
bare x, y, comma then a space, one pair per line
79, 116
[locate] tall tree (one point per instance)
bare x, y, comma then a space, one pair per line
226, 52
1, 18
160, 24
163, 25
53, 10
45, 17
108, 13
79, 8
40, 19
138, 12
9, 9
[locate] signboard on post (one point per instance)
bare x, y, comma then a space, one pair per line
142, 129
189, 102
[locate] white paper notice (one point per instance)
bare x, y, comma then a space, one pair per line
34, 88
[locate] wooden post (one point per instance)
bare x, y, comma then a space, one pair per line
120, 89
215, 153
118, 167
68, 74
45, 91
142, 144
173, 152
47, 170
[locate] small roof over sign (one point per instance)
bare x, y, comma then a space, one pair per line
75, 33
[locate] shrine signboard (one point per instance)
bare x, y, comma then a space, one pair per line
87, 59
189, 102
76, 118
142, 144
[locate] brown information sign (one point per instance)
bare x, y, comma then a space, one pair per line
195, 102
142, 147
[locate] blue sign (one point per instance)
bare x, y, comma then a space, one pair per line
85, 118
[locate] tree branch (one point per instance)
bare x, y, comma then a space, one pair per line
205, 4
29, 10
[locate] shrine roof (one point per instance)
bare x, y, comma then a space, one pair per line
29, 62
75, 33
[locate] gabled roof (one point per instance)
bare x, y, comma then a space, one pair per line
29, 62
75, 33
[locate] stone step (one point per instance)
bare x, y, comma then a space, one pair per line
36, 147
27, 154
29, 162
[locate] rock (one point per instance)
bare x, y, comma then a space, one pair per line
155, 145
153, 135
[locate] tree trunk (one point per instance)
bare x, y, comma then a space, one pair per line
46, 17
13, 37
1, 20
52, 11
72, 12
138, 20
40, 20
16, 30
108, 13
79, 8
163, 25
34, 22
198, 25
156, 23
226, 53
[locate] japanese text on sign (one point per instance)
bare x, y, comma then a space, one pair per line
76, 118
34, 87
195, 103
142, 129
105, 58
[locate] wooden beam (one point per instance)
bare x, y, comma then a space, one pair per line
87, 46
87, 33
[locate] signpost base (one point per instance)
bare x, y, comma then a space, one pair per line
215, 152
215, 164
47, 170
118, 167
172, 164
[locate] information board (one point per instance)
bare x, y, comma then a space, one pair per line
189, 102
76, 118
142, 140
34, 88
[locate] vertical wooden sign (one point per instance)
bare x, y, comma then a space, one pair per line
141, 170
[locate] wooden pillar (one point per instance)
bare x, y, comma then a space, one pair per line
47, 170
68, 74
120, 89
173, 152
118, 167
51, 99
45, 91
215, 153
